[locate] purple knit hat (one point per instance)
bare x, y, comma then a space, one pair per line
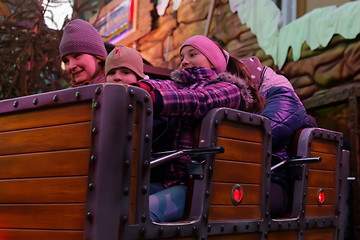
81, 37
218, 58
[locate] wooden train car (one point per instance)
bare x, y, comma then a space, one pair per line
75, 164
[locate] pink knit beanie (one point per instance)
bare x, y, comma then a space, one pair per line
122, 56
219, 58
81, 37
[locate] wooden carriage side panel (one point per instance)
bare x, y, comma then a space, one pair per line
319, 234
322, 177
44, 161
243, 155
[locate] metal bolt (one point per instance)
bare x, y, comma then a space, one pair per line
143, 218
207, 194
98, 90
130, 108
93, 158
89, 215
126, 191
91, 186
77, 94
131, 93
15, 104
209, 228
144, 190
147, 138
35, 101
127, 163
94, 130
146, 99
124, 219
222, 228
148, 111
96, 105
55, 98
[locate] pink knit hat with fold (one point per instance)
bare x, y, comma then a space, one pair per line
81, 37
218, 58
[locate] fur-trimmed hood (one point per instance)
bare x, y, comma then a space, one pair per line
178, 76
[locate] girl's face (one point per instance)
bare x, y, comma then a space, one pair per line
82, 66
191, 57
121, 75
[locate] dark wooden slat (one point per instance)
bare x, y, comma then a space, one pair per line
321, 178
238, 150
319, 211
244, 236
288, 235
43, 216
241, 132
320, 145
48, 164
328, 161
237, 172
319, 234
17, 234
47, 117
221, 212
311, 196
44, 190
62, 137
221, 193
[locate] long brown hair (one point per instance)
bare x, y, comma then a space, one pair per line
239, 69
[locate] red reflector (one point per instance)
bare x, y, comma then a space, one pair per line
320, 197
237, 194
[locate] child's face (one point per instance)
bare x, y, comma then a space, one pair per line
121, 75
191, 57
82, 66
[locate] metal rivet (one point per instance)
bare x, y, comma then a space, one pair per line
146, 163
94, 130
129, 136
93, 158
15, 104
131, 93
222, 228
148, 111
205, 217
142, 230
178, 231
143, 218
77, 94
98, 90
127, 163
124, 219
55, 98
161, 231
207, 193
91, 186
216, 123
247, 226
209, 228
146, 99
147, 138
235, 227
251, 118
130, 108
195, 230
89, 215
96, 105
35, 101
126, 191
144, 190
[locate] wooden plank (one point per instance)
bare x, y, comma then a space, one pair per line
312, 195
319, 211
48, 164
240, 131
238, 150
224, 212
43, 216
17, 234
288, 235
47, 117
321, 178
72, 136
243, 236
320, 145
44, 190
328, 161
319, 234
221, 193
237, 172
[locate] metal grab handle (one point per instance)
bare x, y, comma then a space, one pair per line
295, 161
169, 155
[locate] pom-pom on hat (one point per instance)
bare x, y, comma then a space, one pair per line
81, 37
219, 58
122, 56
